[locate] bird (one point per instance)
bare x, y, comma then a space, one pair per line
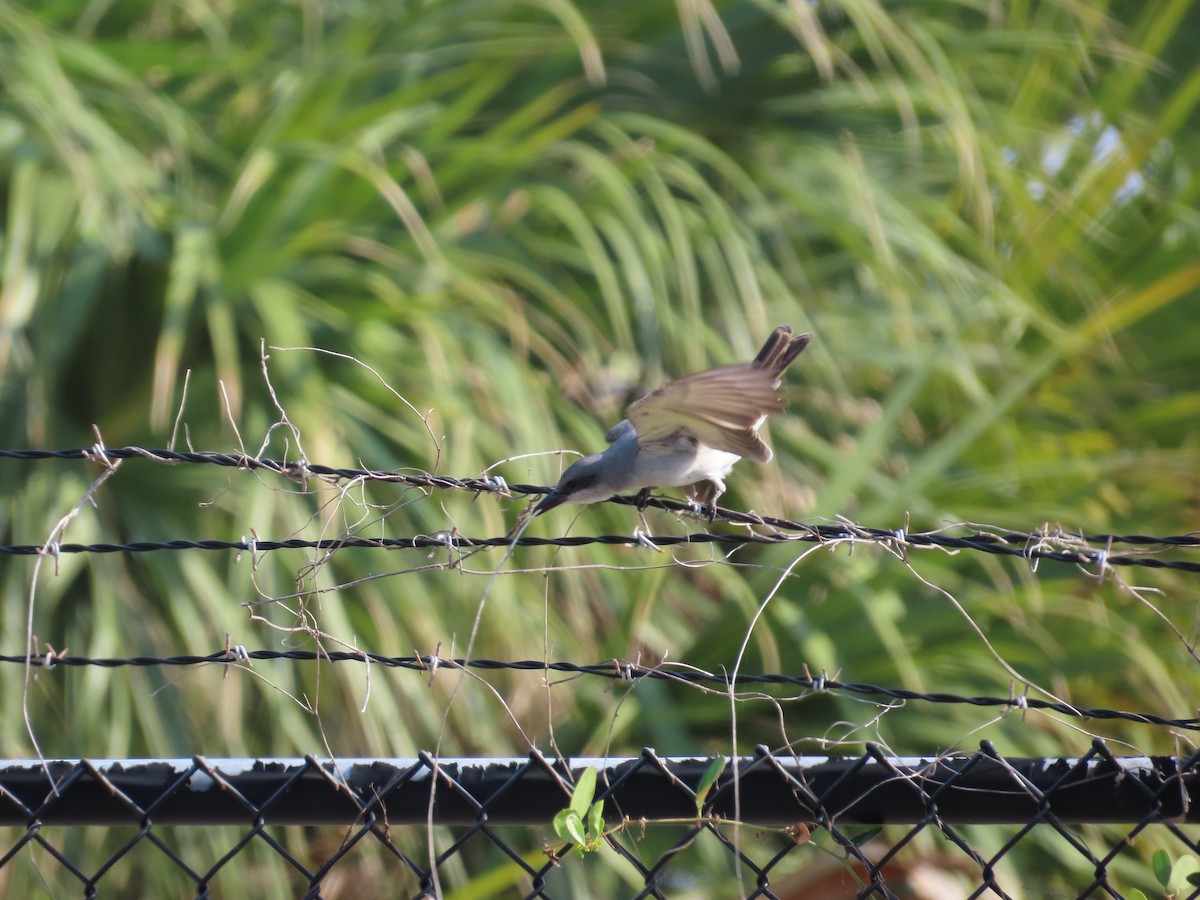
689, 432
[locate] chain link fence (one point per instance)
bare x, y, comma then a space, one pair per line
865, 826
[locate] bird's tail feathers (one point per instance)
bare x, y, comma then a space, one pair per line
781, 350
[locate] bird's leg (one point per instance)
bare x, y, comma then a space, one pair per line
704, 498
641, 534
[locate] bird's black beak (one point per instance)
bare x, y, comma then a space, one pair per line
551, 500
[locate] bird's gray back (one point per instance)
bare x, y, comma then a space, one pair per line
619, 430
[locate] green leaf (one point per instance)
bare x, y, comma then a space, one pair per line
560, 825
707, 780
568, 825
585, 790
1160, 862
1135, 894
1185, 869
595, 822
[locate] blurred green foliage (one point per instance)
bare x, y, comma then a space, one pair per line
516, 218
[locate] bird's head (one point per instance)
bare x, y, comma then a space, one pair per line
583, 482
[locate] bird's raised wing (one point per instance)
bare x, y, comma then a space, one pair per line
722, 408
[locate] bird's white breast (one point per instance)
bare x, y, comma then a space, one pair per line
681, 460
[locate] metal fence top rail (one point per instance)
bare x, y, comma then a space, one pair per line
234, 765
768, 788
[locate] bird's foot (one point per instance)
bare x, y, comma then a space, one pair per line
643, 498
703, 500
700, 509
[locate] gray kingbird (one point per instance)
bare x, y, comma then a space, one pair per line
688, 432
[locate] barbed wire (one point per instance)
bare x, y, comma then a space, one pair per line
818, 534
298, 470
613, 670
1053, 544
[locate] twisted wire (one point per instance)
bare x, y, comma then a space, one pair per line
816, 534
1053, 544
614, 670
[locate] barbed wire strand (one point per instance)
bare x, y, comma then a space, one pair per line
824, 534
300, 469
613, 670
1053, 544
